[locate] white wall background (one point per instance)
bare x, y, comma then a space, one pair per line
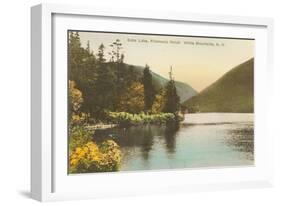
15, 101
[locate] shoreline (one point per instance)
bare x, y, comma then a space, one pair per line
101, 126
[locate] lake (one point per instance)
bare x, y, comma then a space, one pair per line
201, 140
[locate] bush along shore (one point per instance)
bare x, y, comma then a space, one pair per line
124, 119
85, 155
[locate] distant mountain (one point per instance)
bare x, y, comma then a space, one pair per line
233, 92
184, 90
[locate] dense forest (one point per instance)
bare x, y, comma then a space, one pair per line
108, 85
105, 91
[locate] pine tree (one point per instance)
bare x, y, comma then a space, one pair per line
75, 53
104, 86
172, 100
100, 54
117, 64
116, 51
149, 91
88, 47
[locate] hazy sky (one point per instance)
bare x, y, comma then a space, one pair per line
195, 60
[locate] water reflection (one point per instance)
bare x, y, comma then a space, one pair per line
146, 144
204, 140
142, 137
170, 136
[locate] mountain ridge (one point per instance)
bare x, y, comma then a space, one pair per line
233, 92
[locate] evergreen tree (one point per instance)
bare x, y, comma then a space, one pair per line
149, 91
117, 64
100, 54
172, 100
88, 49
104, 86
116, 51
75, 53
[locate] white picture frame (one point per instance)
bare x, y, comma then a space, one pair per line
48, 178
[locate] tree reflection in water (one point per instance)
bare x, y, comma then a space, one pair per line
140, 137
179, 145
170, 136
147, 142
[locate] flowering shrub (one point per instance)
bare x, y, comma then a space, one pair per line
93, 158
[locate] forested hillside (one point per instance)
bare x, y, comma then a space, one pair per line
233, 92
108, 84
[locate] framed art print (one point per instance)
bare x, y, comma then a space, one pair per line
135, 103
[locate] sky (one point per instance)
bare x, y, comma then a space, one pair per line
197, 61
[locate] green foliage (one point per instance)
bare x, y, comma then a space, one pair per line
112, 85
233, 92
127, 119
95, 82
103, 90
78, 136
149, 91
78, 56
102, 82
82, 70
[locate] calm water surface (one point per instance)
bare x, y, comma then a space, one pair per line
202, 140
